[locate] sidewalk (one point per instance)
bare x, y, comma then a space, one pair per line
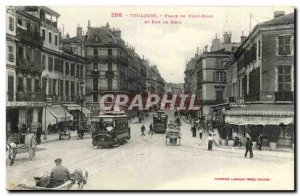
55, 137
265, 149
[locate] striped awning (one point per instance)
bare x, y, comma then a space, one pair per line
71, 107
261, 114
60, 113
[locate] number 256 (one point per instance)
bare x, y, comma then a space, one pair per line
116, 14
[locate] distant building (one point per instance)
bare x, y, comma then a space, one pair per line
174, 88
190, 79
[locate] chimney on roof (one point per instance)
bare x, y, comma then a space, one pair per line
79, 31
67, 36
89, 23
197, 50
243, 37
278, 14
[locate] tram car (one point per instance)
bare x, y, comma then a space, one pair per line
109, 129
160, 121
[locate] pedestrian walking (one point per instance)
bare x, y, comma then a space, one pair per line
194, 130
209, 142
38, 134
143, 130
200, 133
259, 142
249, 145
150, 129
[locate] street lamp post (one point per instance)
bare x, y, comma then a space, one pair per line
81, 98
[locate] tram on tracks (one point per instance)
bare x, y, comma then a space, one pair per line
160, 122
109, 129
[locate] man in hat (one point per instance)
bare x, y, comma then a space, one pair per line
59, 174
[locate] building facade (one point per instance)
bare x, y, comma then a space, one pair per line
263, 78
42, 75
25, 100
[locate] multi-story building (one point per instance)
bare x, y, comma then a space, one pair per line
263, 76
190, 79
108, 70
25, 102
150, 82
159, 84
47, 77
12, 112
211, 75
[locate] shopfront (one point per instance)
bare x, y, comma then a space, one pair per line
262, 117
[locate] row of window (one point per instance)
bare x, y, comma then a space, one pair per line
96, 84
21, 87
96, 67
31, 54
96, 53
284, 47
283, 81
50, 37
56, 87
218, 76
57, 65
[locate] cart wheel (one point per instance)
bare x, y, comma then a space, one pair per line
32, 150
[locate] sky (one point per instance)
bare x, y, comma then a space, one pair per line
168, 46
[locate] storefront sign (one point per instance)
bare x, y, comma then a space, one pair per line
25, 104
258, 120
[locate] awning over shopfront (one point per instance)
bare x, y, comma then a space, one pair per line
261, 114
59, 113
86, 111
71, 107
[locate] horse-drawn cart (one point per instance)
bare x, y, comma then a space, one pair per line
21, 143
173, 133
78, 180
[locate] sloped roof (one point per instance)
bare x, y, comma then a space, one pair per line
222, 51
72, 40
282, 20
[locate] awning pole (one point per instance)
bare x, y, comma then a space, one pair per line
46, 131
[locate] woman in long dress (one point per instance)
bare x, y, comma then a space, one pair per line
209, 141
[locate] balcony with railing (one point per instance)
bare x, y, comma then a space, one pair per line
109, 74
29, 36
29, 65
253, 97
27, 96
108, 58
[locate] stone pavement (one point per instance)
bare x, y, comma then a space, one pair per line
55, 137
265, 149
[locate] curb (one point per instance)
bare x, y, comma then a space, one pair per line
264, 149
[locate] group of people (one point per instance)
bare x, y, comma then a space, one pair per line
209, 140
197, 126
143, 129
